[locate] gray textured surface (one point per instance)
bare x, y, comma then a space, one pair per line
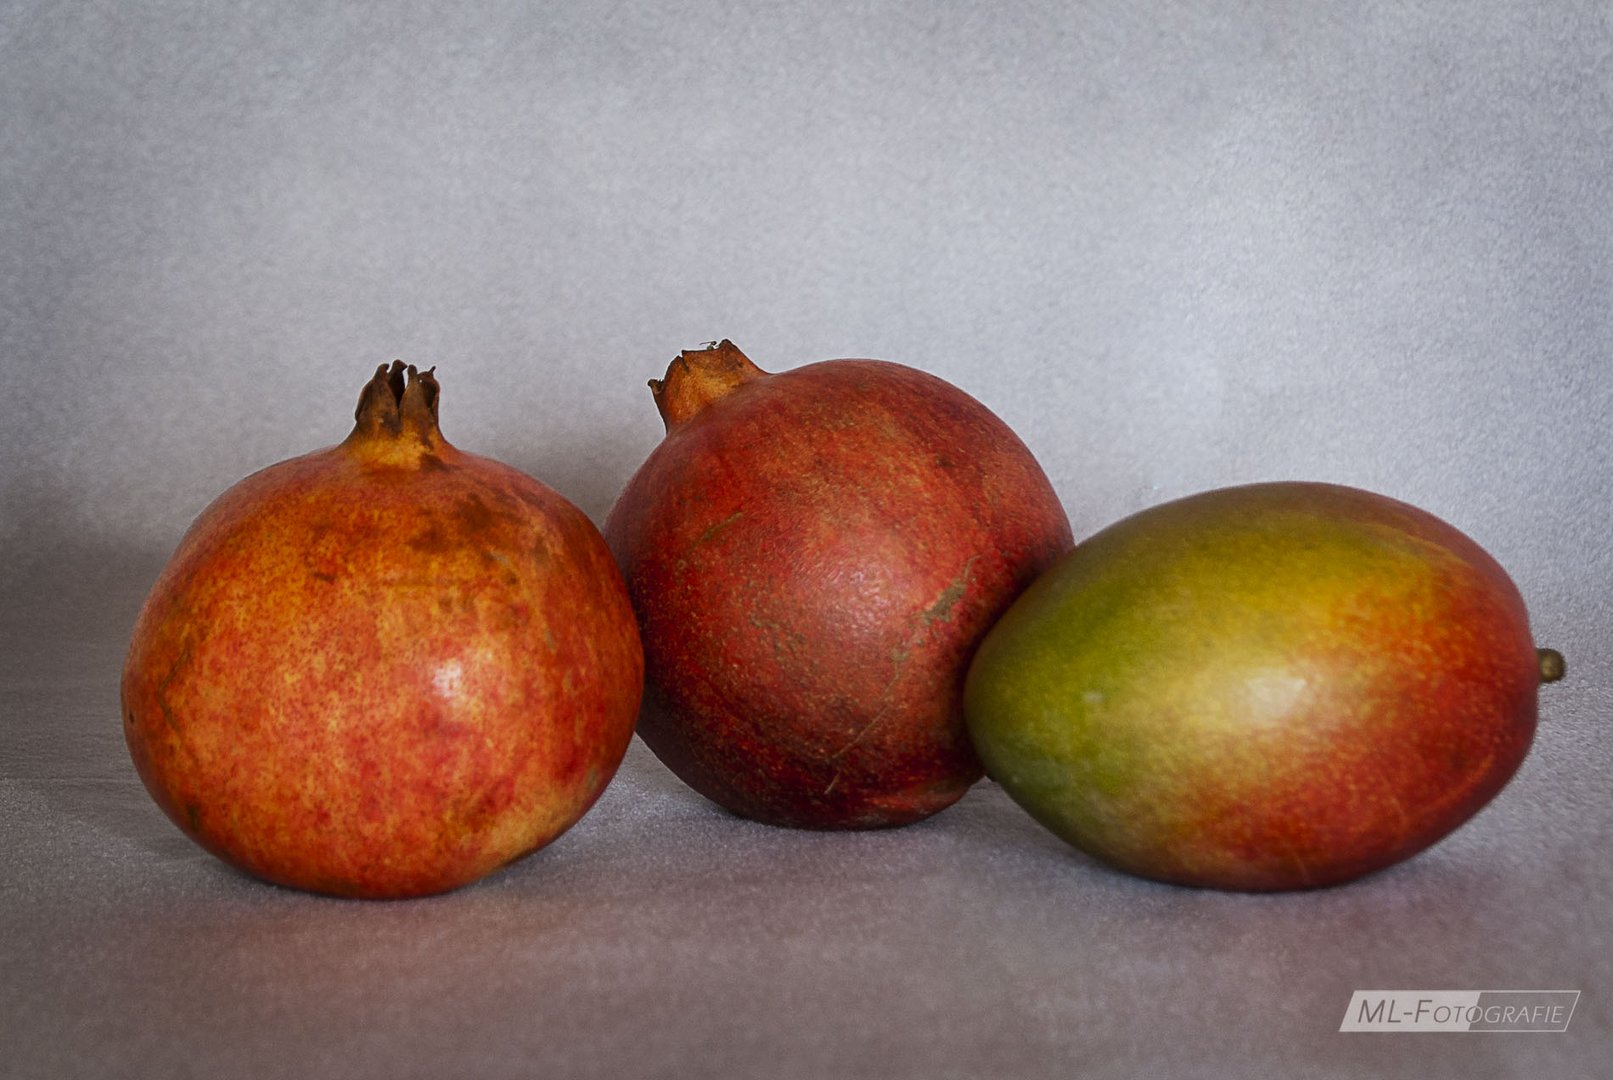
1175, 245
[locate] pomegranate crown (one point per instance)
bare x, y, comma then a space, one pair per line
698, 377
399, 399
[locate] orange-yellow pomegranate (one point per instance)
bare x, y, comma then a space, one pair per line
386, 668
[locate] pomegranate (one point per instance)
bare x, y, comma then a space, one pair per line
385, 668
813, 556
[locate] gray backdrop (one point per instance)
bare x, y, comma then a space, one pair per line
1175, 245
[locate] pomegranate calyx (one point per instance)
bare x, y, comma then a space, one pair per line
698, 377
398, 401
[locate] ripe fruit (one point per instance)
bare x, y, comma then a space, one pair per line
813, 556
385, 668
1266, 687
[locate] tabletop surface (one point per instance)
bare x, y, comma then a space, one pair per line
663, 937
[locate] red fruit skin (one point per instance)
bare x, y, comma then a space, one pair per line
813, 556
384, 669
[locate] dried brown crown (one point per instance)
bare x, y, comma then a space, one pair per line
697, 377
398, 406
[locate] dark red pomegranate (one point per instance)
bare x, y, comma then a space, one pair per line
813, 556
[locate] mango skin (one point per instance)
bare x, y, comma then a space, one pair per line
1276, 686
